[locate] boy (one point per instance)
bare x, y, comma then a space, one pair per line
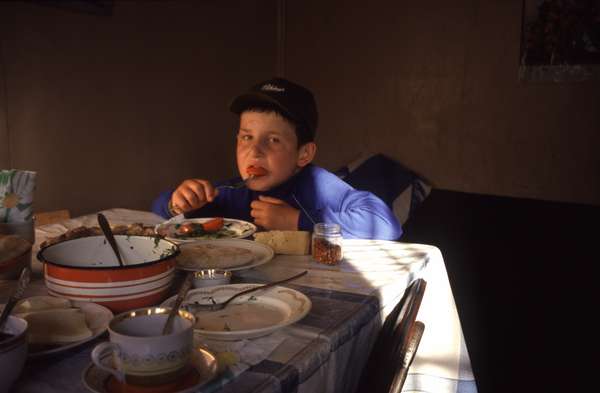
284, 191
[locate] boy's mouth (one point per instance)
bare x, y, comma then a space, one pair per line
256, 171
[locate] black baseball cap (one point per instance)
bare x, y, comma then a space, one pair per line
295, 101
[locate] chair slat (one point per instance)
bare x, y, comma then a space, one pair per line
383, 366
406, 356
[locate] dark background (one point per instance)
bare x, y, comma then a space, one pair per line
524, 276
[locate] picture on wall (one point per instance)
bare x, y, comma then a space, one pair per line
560, 40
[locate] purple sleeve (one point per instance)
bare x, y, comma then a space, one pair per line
160, 204
361, 215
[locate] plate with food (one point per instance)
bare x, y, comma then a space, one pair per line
223, 254
135, 229
181, 230
58, 324
253, 315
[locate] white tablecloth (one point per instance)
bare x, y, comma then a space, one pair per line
326, 351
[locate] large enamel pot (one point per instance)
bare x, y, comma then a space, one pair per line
86, 269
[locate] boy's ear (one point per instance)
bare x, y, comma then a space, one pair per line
306, 153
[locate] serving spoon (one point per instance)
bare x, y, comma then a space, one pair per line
195, 307
109, 236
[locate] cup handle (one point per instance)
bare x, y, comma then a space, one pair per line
97, 355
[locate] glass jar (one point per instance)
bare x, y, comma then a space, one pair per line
327, 243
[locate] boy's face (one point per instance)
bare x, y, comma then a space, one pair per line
268, 141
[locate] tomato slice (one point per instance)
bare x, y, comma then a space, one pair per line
213, 225
256, 170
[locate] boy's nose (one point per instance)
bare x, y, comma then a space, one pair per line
257, 148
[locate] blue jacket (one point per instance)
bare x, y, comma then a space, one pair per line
314, 191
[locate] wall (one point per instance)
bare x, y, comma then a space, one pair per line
435, 85
4, 151
111, 110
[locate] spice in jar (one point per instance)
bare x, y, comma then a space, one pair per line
327, 243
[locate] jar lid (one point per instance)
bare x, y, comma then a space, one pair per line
327, 228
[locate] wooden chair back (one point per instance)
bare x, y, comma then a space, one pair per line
396, 344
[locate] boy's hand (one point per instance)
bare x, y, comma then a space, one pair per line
272, 213
192, 194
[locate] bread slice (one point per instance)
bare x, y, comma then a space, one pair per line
41, 303
57, 326
286, 242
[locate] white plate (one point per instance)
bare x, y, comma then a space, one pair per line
256, 314
262, 253
97, 318
241, 229
204, 362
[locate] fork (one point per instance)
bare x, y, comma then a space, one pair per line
196, 307
237, 185
234, 186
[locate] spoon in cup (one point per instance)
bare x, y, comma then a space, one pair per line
183, 290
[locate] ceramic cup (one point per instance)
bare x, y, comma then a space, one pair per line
141, 355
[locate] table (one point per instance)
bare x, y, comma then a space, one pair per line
325, 351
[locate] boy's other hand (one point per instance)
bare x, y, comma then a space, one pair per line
193, 194
272, 213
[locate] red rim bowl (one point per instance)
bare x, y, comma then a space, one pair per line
86, 269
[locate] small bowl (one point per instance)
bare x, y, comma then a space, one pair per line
13, 352
211, 277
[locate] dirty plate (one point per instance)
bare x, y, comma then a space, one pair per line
256, 314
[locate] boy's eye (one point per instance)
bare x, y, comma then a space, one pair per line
244, 137
274, 139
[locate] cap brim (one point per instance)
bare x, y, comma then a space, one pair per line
248, 100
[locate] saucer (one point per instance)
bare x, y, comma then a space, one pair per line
204, 370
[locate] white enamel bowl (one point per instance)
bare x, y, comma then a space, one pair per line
86, 269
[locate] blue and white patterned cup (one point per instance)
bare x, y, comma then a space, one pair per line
141, 354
